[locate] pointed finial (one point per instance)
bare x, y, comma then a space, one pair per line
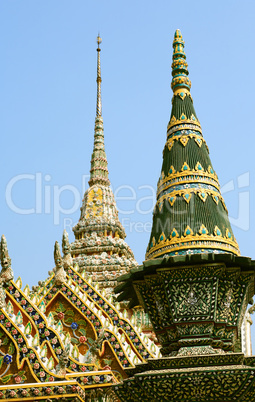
60, 275
57, 255
6, 274
65, 243
179, 66
99, 40
66, 249
5, 258
99, 79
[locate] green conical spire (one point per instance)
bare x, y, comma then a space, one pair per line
99, 169
190, 215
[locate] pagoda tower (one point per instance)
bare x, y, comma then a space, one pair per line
99, 244
190, 215
194, 284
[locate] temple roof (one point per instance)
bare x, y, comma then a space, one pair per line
99, 235
64, 337
190, 215
68, 336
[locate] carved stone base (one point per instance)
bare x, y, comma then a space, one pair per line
216, 378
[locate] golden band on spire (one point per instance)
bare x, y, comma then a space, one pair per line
99, 79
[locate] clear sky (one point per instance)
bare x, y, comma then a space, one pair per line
47, 111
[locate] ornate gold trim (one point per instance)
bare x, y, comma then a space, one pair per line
184, 138
190, 191
185, 165
183, 127
183, 120
181, 92
99, 307
191, 242
174, 175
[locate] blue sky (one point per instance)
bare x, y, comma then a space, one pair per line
48, 97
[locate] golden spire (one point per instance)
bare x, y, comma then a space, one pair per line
99, 79
99, 170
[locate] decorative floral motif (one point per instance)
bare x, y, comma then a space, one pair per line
7, 359
74, 325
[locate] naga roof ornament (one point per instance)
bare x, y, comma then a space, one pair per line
66, 248
60, 274
65, 243
190, 215
6, 273
5, 258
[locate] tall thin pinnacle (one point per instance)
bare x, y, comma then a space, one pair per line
180, 72
99, 170
99, 79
